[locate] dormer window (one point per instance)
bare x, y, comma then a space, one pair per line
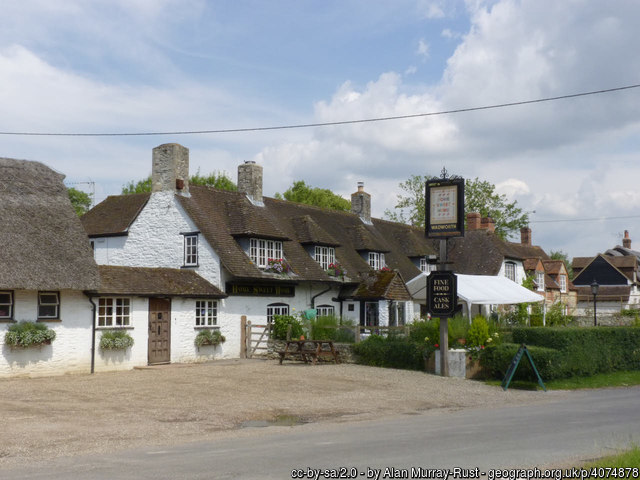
426, 266
325, 256
260, 251
540, 281
510, 271
376, 260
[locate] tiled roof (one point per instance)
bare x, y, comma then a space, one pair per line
553, 267
382, 284
155, 281
114, 215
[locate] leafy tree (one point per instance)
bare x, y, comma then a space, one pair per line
321, 197
81, 201
560, 255
216, 179
480, 197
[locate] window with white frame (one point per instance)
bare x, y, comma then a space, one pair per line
191, 250
376, 260
325, 310
49, 305
563, 283
260, 251
276, 309
6, 305
114, 312
510, 271
540, 281
206, 313
325, 256
425, 266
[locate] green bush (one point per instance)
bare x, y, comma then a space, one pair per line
28, 334
115, 340
555, 316
281, 326
478, 332
390, 352
209, 337
323, 328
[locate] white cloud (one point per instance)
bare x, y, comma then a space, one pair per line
423, 49
432, 9
512, 187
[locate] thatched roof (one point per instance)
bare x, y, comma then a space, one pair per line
44, 246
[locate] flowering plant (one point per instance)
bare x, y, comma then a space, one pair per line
385, 269
277, 265
336, 270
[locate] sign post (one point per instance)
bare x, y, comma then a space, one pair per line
444, 218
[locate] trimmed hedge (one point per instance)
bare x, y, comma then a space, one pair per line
568, 352
391, 352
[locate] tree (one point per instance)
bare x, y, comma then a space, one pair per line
560, 255
320, 197
216, 179
81, 201
480, 197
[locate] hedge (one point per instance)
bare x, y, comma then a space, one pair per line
567, 352
391, 352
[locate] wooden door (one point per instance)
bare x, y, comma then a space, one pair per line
159, 331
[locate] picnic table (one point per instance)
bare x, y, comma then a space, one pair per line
309, 350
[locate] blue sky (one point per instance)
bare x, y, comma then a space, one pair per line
163, 65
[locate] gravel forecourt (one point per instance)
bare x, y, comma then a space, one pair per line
80, 414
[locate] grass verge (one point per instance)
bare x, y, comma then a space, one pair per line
628, 459
614, 379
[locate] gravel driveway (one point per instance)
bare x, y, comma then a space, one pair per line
54, 416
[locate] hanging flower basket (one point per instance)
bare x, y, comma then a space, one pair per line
336, 270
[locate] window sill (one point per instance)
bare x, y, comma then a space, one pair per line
116, 327
190, 266
7, 320
55, 320
207, 327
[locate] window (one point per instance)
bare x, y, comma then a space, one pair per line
563, 283
6, 304
510, 271
114, 312
540, 281
325, 256
351, 307
206, 313
325, 310
425, 266
48, 305
376, 260
276, 309
260, 251
191, 250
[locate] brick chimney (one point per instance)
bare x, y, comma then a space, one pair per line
473, 221
488, 223
626, 241
361, 204
170, 169
525, 236
250, 181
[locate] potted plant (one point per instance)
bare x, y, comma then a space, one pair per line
115, 340
336, 270
29, 334
277, 265
209, 337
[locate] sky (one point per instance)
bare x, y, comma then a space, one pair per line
136, 66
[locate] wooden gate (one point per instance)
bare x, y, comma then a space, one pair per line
159, 331
255, 338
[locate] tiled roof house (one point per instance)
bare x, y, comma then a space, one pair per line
239, 241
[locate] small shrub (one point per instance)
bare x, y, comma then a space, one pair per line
556, 318
115, 340
478, 332
281, 326
391, 352
323, 328
28, 334
209, 337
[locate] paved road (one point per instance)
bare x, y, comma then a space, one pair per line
580, 424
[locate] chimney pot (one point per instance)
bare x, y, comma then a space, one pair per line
170, 164
488, 223
361, 204
525, 236
626, 241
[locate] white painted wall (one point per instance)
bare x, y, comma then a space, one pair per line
520, 273
70, 352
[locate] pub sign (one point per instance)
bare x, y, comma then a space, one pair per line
444, 208
442, 293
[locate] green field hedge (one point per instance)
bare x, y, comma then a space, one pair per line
567, 352
390, 352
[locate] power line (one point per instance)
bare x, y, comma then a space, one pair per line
594, 219
323, 124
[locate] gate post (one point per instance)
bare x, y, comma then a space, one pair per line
243, 336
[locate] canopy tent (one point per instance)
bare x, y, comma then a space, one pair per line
479, 290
